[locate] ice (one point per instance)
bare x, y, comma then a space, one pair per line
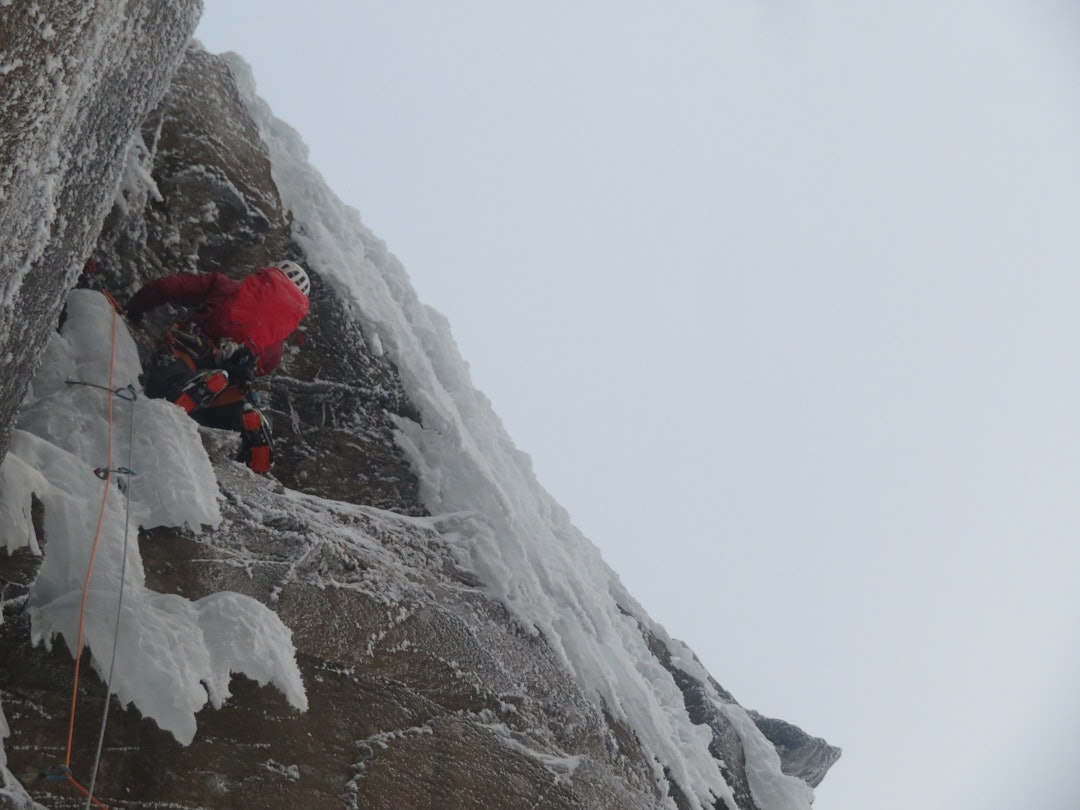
770, 788
18, 480
174, 655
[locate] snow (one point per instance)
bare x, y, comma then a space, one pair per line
488, 504
174, 655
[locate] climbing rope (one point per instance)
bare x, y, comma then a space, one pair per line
120, 597
128, 394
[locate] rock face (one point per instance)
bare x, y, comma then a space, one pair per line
802, 755
424, 692
77, 80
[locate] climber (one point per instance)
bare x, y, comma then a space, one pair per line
234, 332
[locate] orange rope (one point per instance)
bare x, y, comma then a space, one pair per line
85, 792
89, 572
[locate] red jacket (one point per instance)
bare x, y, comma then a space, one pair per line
205, 293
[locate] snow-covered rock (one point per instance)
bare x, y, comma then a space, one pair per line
77, 80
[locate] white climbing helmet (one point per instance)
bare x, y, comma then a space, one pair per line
295, 273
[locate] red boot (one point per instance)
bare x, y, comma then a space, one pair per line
255, 442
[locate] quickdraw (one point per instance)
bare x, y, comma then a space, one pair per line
103, 472
56, 773
127, 393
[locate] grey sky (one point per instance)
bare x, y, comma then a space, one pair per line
781, 299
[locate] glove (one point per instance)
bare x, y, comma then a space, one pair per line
238, 360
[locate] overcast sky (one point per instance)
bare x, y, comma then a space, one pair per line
782, 300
